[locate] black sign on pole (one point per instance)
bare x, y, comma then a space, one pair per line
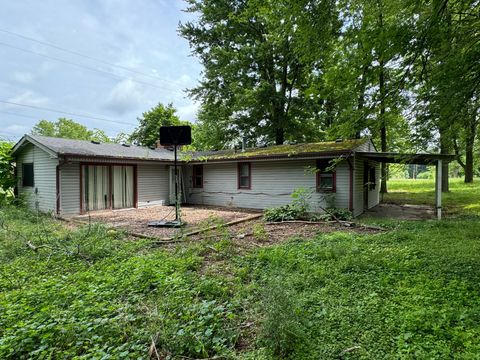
174, 135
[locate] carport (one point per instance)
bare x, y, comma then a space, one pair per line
420, 159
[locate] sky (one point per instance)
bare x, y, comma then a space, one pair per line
110, 61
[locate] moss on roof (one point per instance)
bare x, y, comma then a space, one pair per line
284, 150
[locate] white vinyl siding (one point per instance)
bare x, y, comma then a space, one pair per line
272, 183
152, 184
42, 195
70, 189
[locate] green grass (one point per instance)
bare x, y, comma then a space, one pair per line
462, 199
411, 292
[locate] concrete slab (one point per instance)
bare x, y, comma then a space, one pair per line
401, 212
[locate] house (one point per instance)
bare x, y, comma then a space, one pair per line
70, 177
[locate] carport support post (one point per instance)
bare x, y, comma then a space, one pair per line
438, 189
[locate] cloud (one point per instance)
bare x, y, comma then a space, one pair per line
188, 112
23, 77
29, 97
124, 97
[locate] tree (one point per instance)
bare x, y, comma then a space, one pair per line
253, 77
7, 178
68, 129
147, 133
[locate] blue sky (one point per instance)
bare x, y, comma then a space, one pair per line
137, 35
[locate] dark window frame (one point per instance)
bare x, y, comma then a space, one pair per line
24, 178
322, 174
195, 175
239, 176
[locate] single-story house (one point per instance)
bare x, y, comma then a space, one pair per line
70, 177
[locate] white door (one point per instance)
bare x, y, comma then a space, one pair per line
181, 190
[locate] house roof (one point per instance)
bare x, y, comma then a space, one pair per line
280, 151
84, 148
402, 158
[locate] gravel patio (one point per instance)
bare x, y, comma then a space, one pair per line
136, 221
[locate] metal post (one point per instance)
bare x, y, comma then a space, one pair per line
438, 190
176, 184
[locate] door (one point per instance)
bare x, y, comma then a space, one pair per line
181, 190
365, 185
122, 187
96, 191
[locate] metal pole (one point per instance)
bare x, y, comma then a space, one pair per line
438, 190
176, 184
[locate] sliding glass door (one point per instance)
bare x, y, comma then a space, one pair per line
122, 183
105, 187
96, 189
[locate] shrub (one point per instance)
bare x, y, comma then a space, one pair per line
7, 179
297, 209
281, 329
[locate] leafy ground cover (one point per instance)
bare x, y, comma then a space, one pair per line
90, 292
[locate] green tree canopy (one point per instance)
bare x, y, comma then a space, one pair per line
148, 130
68, 129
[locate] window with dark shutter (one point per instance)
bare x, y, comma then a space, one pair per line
326, 177
198, 176
27, 175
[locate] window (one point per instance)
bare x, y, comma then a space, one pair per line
198, 176
326, 178
27, 174
244, 176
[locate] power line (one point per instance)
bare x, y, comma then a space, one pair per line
81, 55
16, 114
82, 66
66, 113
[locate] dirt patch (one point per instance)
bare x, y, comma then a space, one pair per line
136, 220
257, 233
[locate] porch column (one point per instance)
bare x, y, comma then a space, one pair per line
438, 189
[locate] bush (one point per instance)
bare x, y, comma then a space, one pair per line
297, 209
7, 178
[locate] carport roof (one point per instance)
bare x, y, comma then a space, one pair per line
402, 158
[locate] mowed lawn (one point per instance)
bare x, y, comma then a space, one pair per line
410, 292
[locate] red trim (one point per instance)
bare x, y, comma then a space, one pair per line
195, 175
249, 176
57, 188
334, 182
110, 187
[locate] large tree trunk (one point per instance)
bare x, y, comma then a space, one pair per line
279, 136
469, 143
361, 102
383, 129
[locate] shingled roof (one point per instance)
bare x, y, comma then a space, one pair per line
280, 151
83, 148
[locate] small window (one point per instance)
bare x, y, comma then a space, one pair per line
198, 176
244, 176
27, 174
326, 179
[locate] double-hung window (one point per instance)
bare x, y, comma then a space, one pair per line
244, 175
198, 176
27, 175
326, 178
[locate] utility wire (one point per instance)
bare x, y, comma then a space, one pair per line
82, 55
66, 113
81, 66
16, 114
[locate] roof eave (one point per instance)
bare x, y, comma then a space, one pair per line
27, 138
